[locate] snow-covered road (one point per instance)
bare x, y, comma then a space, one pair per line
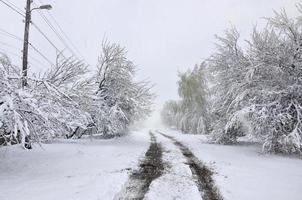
169, 167
163, 174
177, 180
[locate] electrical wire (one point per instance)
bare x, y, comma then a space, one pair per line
61, 29
12, 7
9, 45
15, 9
18, 11
45, 36
5, 51
70, 41
4, 32
41, 54
57, 33
30, 44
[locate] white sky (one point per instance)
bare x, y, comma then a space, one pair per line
162, 36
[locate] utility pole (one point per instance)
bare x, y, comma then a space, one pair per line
26, 37
25, 44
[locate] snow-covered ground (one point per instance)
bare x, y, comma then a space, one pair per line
176, 181
243, 172
99, 169
70, 169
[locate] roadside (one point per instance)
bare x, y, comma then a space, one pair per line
243, 172
70, 169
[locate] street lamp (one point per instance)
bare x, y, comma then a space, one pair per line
26, 36
43, 7
46, 7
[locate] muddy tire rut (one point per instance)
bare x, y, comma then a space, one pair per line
150, 168
201, 173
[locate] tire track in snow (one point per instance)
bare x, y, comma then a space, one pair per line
201, 173
149, 169
176, 182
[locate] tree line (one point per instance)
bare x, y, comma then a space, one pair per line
70, 100
251, 89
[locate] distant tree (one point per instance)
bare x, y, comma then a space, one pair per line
169, 112
190, 114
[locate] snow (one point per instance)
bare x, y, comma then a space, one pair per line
99, 169
242, 172
70, 169
176, 182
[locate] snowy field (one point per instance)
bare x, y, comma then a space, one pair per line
244, 173
70, 169
88, 169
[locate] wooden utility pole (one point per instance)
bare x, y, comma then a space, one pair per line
25, 44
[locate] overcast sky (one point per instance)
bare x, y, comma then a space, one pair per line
162, 36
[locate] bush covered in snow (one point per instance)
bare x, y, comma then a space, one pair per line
41, 111
254, 92
69, 101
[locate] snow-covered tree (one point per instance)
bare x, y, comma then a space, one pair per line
190, 114
21, 119
276, 57
42, 110
227, 66
58, 94
253, 92
264, 98
120, 100
169, 112
68, 100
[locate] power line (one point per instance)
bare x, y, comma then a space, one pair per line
13, 7
3, 51
45, 36
61, 29
30, 44
4, 32
58, 25
57, 33
48, 40
16, 7
9, 45
18, 11
39, 52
